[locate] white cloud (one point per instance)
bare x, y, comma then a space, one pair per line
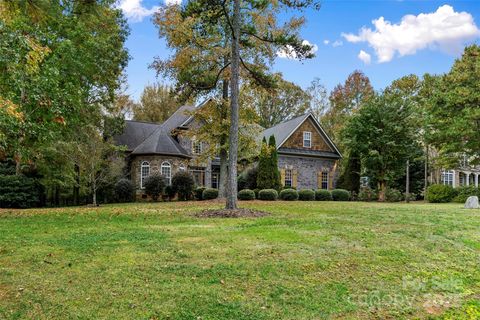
289, 53
365, 57
443, 29
326, 42
337, 43
135, 11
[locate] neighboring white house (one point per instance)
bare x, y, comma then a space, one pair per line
465, 175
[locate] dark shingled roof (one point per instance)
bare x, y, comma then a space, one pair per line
161, 140
135, 133
282, 130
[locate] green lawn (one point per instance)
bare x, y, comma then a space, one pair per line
307, 260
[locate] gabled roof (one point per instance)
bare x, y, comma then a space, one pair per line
134, 133
284, 130
161, 142
153, 138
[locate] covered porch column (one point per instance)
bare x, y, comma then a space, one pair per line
467, 178
476, 180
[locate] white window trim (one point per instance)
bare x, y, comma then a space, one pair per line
307, 136
167, 164
144, 164
448, 177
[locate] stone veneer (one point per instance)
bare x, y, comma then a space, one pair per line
307, 169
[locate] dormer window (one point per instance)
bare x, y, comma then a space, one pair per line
307, 139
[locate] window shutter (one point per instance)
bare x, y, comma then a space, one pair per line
319, 179
294, 178
331, 174
282, 176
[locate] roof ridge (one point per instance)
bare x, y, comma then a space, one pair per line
140, 121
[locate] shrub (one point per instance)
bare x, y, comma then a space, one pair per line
19, 192
199, 193
124, 190
246, 194
289, 194
367, 194
287, 187
257, 191
209, 193
323, 195
183, 184
340, 195
464, 192
154, 186
268, 194
241, 182
169, 193
393, 195
439, 193
306, 195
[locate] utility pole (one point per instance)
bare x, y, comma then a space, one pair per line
407, 186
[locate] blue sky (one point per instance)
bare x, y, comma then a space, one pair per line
426, 41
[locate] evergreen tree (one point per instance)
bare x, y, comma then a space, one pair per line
276, 183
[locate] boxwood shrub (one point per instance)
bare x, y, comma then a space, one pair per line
209, 193
340, 195
199, 193
289, 194
268, 194
439, 193
323, 195
306, 195
246, 194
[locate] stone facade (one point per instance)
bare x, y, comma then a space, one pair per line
296, 139
307, 169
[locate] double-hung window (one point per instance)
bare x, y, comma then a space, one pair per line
307, 139
288, 178
325, 180
447, 178
196, 147
144, 172
166, 171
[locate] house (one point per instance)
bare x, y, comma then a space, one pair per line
464, 175
307, 157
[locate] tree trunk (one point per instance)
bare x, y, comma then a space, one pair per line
18, 165
382, 188
76, 188
94, 202
222, 192
234, 93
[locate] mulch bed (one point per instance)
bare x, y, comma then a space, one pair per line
237, 213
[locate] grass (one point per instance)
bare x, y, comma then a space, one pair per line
307, 260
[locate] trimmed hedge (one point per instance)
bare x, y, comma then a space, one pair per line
340, 195
323, 195
439, 193
256, 190
169, 193
306, 195
463, 193
124, 190
199, 193
268, 194
19, 192
246, 194
289, 194
209, 194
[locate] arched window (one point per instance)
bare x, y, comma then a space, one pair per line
166, 171
181, 167
144, 172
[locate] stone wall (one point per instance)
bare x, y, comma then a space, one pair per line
296, 139
307, 169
